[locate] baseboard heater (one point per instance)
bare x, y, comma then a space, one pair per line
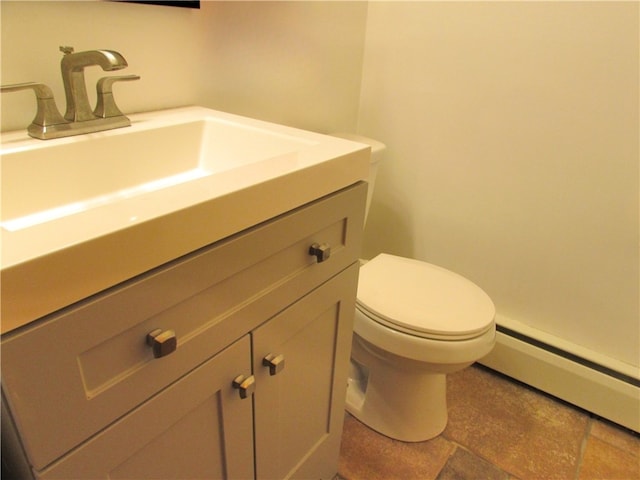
568, 372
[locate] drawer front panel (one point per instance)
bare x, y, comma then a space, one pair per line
74, 372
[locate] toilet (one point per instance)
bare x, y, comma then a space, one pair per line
414, 323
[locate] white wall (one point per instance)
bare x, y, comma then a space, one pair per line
512, 130
295, 63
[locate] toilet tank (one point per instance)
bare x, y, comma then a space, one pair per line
377, 151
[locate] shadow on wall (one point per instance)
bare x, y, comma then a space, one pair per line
388, 230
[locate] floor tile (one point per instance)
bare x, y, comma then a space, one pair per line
367, 455
616, 436
521, 431
464, 465
498, 429
605, 461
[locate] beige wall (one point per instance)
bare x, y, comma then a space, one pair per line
298, 63
295, 63
512, 126
161, 44
512, 130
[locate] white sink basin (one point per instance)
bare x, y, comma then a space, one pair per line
83, 213
43, 182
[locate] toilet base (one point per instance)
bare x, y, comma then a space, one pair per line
405, 402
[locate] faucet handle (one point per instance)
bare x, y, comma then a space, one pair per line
106, 104
47, 113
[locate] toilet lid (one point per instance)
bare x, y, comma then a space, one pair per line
423, 299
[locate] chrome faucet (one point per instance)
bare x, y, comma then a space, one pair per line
79, 118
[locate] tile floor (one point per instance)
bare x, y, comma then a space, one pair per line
498, 429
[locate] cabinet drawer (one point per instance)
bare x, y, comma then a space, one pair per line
70, 374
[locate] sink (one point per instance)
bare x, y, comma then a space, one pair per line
45, 182
81, 214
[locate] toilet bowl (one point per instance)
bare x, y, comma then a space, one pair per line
414, 323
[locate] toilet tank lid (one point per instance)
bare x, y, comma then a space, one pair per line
419, 297
376, 146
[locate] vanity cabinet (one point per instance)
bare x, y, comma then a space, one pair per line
86, 396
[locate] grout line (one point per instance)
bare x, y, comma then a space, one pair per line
455, 448
460, 446
583, 446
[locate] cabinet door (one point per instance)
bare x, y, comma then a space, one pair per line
197, 428
299, 409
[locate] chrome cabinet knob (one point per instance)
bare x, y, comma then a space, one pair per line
245, 385
274, 362
162, 342
322, 251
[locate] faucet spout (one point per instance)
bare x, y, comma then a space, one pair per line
73, 65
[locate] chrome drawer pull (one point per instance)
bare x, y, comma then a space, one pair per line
274, 362
245, 385
162, 342
322, 251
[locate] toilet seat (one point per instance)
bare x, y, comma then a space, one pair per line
422, 299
